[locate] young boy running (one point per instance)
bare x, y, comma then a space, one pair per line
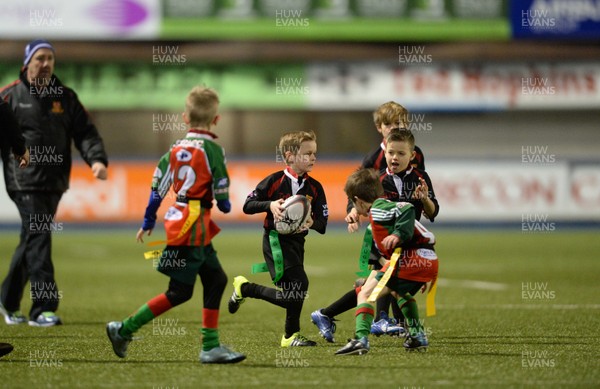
284, 254
401, 182
195, 168
394, 226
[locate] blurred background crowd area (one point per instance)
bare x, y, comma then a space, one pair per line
514, 83
480, 78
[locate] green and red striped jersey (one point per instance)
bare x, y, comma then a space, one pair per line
195, 168
418, 260
389, 217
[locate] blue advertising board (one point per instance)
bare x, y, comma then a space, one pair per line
552, 19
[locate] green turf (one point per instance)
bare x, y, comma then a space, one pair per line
484, 335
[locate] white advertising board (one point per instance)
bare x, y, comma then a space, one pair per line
81, 19
430, 85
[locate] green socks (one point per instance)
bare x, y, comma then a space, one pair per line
409, 308
136, 321
210, 338
364, 318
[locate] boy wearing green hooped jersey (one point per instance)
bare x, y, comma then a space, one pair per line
401, 182
394, 226
195, 168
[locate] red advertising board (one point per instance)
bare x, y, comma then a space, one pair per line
483, 191
123, 197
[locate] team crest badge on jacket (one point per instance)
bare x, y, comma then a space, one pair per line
57, 107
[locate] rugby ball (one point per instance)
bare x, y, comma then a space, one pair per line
296, 210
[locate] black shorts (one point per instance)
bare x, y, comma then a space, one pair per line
183, 263
292, 248
401, 285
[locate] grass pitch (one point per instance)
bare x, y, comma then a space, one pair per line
514, 310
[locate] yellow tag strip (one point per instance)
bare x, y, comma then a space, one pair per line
154, 254
386, 276
194, 209
430, 301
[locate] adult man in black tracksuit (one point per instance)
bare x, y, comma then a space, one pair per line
11, 137
51, 118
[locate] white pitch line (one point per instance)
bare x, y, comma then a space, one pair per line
472, 284
518, 306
